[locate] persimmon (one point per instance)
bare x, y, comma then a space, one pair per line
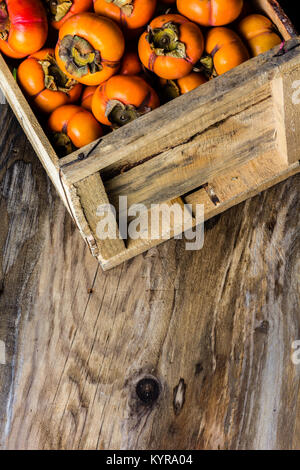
226, 49
61, 10
87, 97
73, 126
174, 88
131, 14
130, 64
210, 12
259, 33
43, 82
89, 48
122, 99
171, 46
23, 27
6, 49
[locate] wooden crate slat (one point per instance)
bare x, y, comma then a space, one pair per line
236, 140
136, 247
286, 98
91, 195
244, 181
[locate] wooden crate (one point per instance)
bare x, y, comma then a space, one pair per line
218, 145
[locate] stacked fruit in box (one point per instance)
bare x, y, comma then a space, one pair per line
93, 66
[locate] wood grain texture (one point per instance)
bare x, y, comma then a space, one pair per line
286, 93
186, 167
91, 195
215, 325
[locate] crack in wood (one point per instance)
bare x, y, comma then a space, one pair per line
212, 195
179, 397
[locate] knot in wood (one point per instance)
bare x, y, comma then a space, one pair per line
148, 390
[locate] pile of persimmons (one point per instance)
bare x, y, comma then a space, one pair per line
92, 66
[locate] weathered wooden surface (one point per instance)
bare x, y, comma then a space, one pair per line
78, 340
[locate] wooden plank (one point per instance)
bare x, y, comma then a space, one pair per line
92, 195
244, 182
286, 97
178, 121
177, 225
2, 98
237, 139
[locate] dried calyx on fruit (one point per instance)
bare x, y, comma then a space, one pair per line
79, 56
125, 5
4, 21
55, 79
62, 143
59, 8
171, 90
120, 114
164, 41
206, 66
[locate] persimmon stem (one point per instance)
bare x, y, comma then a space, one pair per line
165, 41
55, 79
206, 66
120, 114
58, 9
126, 6
62, 143
79, 56
171, 90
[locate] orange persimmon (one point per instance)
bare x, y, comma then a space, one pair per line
171, 46
61, 10
122, 99
87, 97
46, 85
226, 48
210, 12
73, 126
130, 64
174, 88
6, 49
23, 27
89, 48
259, 33
130, 14
190, 82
